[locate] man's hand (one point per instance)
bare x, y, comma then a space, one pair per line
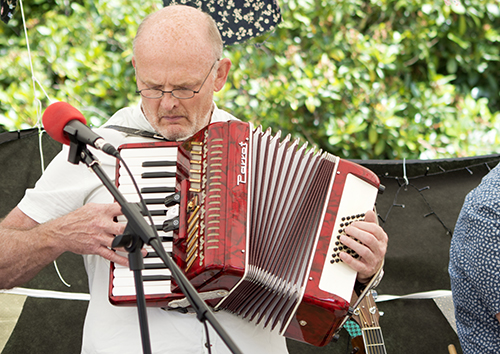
372, 249
90, 230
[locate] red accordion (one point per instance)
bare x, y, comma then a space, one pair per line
259, 222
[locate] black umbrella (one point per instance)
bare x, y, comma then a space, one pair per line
238, 20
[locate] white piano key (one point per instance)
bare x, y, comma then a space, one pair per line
147, 182
149, 289
139, 159
153, 260
162, 233
129, 281
127, 273
166, 245
167, 153
157, 220
171, 169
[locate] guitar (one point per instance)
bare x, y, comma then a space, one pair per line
367, 316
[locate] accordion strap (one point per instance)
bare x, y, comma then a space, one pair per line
137, 132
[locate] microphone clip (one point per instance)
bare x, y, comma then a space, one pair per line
75, 147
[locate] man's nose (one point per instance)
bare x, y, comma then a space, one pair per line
168, 101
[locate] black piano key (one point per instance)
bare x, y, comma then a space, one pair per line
166, 239
158, 174
162, 212
158, 163
149, 201
156, 277
154, 266
158, 190
154, 254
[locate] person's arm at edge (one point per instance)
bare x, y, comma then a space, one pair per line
28, 246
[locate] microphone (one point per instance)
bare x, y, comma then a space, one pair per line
61, 120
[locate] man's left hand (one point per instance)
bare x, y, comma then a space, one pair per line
371, 249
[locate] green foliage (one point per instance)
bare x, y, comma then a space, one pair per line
380, 79
81, 53
377, 79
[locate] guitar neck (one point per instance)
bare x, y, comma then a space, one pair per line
373, 340
366, 316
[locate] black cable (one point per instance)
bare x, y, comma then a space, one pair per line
405, 184
449, 232
207, 344
393, 204
426, 174
432, 212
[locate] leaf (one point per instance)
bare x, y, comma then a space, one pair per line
463, 44
451, 66
372, 134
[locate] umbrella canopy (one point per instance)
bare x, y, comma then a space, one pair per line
238, 20
7, 8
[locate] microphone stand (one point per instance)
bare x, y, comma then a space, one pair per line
137, 233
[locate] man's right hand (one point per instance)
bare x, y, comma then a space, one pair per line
90, 230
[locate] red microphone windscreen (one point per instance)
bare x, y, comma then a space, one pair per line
55, 118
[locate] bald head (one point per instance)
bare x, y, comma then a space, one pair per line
178, 28
179, 49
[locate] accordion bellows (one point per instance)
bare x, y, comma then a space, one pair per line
259, 222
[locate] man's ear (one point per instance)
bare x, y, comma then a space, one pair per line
222, 73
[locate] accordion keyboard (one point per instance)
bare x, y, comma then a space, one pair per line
154, 172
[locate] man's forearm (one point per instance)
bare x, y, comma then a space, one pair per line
24, 253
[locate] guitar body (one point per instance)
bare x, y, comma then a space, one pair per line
358, 345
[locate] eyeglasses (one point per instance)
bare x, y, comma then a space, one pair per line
182, 94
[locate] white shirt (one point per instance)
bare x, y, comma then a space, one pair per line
64, 188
